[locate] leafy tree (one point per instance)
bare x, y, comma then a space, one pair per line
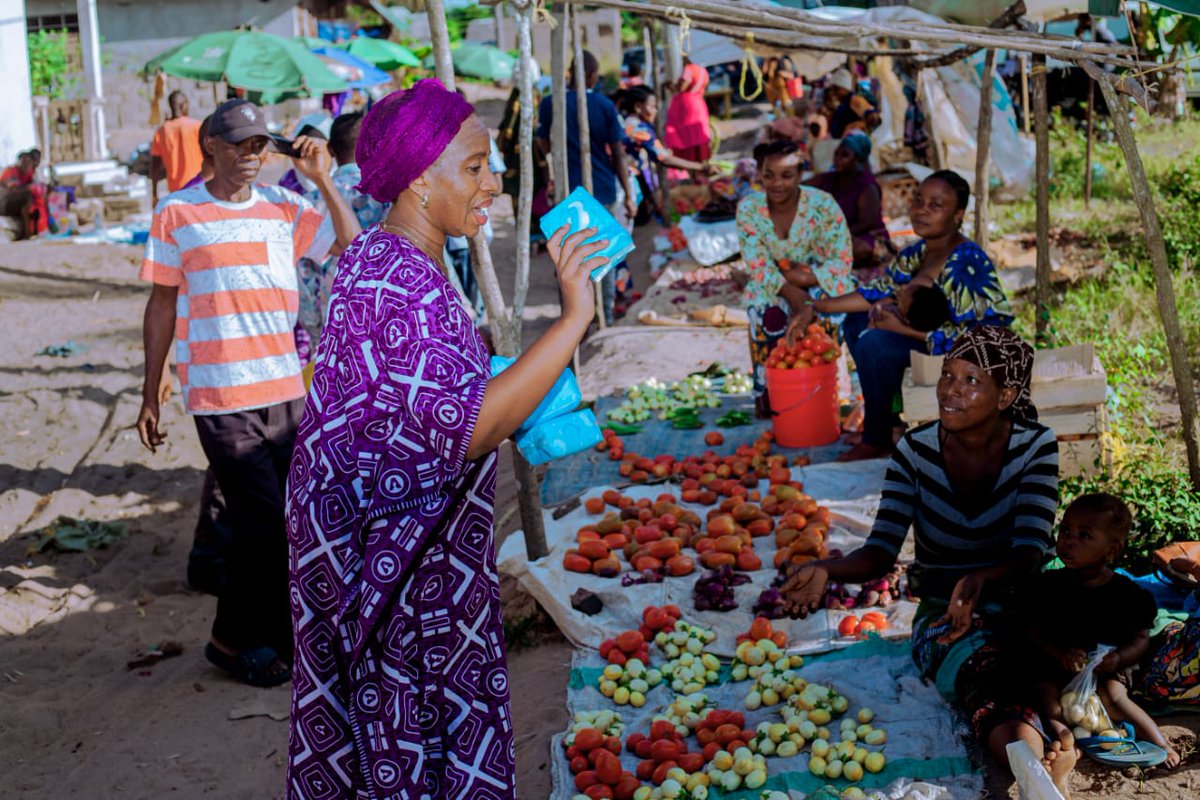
50, 70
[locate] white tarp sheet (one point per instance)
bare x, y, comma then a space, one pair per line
850, 490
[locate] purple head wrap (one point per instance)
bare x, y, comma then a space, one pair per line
404, 133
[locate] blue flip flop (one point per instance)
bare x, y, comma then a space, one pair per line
1122, 751
251, 667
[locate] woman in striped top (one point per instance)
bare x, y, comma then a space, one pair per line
979, 488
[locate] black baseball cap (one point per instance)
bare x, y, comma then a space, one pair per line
238, 120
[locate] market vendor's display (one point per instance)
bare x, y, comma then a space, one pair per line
597, 768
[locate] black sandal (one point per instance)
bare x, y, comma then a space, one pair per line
252, 667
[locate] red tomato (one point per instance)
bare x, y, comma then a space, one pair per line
848, 626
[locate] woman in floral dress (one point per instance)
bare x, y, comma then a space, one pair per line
796, 247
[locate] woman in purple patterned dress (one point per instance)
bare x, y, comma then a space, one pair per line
400, 688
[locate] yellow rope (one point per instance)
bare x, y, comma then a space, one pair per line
1162, 67
750, 64
685, 28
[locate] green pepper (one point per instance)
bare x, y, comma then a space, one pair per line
623, 430
732, 419
686, 423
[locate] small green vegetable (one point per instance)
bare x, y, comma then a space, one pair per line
624, 430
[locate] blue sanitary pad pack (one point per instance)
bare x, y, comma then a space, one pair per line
580, 210
561, 436
554, 429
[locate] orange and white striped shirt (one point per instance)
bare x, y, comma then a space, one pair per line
235, 267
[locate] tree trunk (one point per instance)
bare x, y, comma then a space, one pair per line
1168, 312
1041, 124
983, 141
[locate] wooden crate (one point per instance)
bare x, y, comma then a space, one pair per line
1069, 389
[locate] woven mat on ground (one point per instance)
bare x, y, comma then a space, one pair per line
851, 491
926, 757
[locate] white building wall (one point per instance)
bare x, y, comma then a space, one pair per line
16, 123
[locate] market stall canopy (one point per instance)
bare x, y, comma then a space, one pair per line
271, 67
483, 61
380, 52
356, 72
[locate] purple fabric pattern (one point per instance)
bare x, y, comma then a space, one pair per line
404, 133
400, 688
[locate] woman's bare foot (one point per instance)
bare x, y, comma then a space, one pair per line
1059, 760
863, 451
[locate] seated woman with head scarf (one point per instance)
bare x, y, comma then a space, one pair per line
400, 685
796, 246
853, 185
943, 258
979, 489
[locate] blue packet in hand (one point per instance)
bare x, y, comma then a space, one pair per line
580, 210
561, 436
563, 398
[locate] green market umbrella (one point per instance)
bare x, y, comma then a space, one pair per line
270, 67
380, 52
483, 61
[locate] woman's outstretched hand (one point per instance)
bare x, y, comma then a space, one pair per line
804, 590
571, 259
961, 614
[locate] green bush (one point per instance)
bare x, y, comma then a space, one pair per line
50, 64
1178, 190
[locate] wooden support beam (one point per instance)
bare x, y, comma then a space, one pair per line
983, 142
579, 72
1041, 124
762, 17
525, 148
558, 94
1009, 17
1168, 311
529, 498
1091, 135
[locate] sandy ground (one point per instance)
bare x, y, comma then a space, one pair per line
77, 721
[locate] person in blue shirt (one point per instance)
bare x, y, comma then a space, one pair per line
610, 177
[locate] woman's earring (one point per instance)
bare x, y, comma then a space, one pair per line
425, 201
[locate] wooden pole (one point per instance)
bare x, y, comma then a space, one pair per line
1025, 90
1041, 122
671, 59
525, 149
1164, 288
529, 498
558, 93
983, 142
585, 138
1091, 134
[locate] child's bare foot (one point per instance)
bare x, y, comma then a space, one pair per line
1173, 758
1059, 760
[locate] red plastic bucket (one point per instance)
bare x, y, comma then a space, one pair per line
804, 405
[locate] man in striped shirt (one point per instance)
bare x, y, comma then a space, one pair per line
222, 257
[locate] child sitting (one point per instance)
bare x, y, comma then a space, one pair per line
1070, 611
921, 305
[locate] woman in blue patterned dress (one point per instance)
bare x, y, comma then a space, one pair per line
400, 687
944, 258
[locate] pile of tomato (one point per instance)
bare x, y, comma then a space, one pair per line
816, 349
